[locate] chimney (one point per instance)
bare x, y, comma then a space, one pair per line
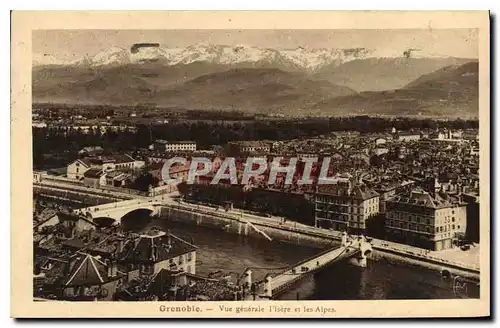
112, 268
67, 266
154, 252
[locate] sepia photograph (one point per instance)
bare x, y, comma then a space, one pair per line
247, 171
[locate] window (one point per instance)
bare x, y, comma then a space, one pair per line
147, 269
453, 227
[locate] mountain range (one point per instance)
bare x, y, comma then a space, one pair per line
449, 91
253, 79
298, 59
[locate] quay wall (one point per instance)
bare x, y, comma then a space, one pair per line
288, 234
237, 226
427, 263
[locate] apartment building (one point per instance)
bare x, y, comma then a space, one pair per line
424, 220
344, 203
388, 189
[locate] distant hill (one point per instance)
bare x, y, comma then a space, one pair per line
57, 83
449, 91
379, 74
248, 89
252, 90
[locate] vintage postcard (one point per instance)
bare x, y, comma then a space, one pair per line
250, 164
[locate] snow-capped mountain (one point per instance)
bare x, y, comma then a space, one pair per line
50, 60
299, 58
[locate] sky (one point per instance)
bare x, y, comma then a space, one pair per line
75, 44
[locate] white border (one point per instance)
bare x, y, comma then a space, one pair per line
186, 5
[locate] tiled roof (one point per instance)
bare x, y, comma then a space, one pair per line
114, 174
45, 215
424, 199
87, 270
94, 173
155, 248
84, 162
121, 158
363, 192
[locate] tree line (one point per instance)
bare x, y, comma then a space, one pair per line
67, 139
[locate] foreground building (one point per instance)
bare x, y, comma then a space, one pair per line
345, 204
423, 220
80, 277
149, 253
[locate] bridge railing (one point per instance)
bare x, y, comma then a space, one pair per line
120, 205
124, 190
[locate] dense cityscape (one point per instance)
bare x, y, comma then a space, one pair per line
417, 189
363, 148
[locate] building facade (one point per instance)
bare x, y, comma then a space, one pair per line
157, 250
168, 146
422, 220
345, 204
77, 169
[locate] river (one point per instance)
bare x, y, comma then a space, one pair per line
230, 254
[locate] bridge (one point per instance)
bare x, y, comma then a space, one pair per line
356, 250
114, 212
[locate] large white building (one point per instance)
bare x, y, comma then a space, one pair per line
168, 146
76, 170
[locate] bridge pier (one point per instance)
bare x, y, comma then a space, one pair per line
248, 274
156, 211
359, 261
268, 287
365, 249
344, 239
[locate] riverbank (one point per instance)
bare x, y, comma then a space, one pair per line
300, 234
